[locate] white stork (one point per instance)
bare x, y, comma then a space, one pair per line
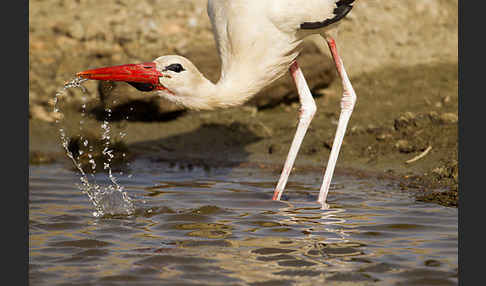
257, 41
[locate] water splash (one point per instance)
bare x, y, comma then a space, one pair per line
107, 200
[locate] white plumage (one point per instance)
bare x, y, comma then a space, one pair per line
257, 41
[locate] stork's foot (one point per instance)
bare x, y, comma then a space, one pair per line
325, 206
276, 194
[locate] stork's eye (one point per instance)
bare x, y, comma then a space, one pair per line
175, 68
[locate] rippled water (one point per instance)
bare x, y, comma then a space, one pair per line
200, 226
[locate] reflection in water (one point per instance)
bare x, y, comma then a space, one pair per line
220, 227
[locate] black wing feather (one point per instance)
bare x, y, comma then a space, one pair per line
342, 9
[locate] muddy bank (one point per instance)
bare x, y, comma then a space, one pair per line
404, 73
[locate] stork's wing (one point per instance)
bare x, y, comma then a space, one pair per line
342, 9
247, 30
307, 14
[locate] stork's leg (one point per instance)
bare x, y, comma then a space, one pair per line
307, 111
347, 104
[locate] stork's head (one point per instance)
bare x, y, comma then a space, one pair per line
168, 75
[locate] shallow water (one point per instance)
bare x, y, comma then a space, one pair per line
218, 226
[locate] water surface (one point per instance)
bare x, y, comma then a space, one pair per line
219, 226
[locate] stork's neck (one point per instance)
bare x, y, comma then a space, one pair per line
232, 89
237, 84
239, 81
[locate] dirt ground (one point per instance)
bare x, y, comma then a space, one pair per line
401, 57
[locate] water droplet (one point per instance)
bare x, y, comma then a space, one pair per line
111, 199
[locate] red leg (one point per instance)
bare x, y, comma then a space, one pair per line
307, 111
347, 104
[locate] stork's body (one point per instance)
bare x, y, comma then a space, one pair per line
257, 41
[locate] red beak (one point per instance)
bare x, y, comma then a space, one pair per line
144, 77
